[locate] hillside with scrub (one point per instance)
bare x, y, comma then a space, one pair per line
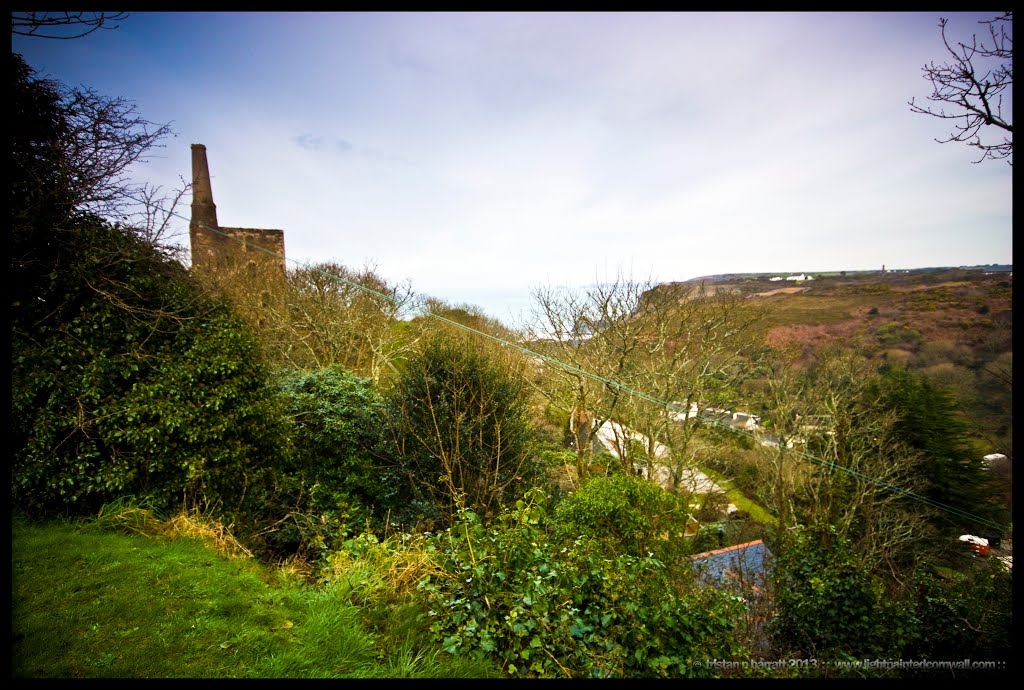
350, 480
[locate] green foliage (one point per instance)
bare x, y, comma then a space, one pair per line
124, 379
337, 416
331, 479
964, 615
544, 608
556, 458
928, 421
624, 515
893, 334
556, 417
131, 383
604, 463
828, 606
460, 428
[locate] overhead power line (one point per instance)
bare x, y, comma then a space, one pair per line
565, 366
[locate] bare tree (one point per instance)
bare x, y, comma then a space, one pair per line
634, 349
594, 334
692, 356
464, 314
63, 25
334, 315
106, 136
151, 219
783, 401
71, 152
94, 142
838, 460
973, 85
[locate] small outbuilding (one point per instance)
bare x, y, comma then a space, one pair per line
746, 566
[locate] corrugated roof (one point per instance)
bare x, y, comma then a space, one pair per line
747, 563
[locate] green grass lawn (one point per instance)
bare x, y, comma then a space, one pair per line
91, 603
736, 497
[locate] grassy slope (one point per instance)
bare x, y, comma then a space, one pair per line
736, 497
89, 603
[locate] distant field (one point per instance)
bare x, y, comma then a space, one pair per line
779, 291
808, 308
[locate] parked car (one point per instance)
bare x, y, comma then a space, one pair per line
978, 545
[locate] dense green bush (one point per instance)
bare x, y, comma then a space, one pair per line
337, 419
548, 608
126, 381
332, 479
828, 605
964, 614
124, 378
459, 429
624, 514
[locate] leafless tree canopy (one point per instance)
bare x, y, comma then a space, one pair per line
643, 345
972, 86
96, 141
152, 217
106, 137
322, 315
63, 25
848, 461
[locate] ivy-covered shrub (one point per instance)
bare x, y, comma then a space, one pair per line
624, 514
332, 479
541, 607
828, 605
126, 381
964, 615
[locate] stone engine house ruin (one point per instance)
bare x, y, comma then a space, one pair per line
222, 252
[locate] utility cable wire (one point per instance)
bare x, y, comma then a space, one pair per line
605, 380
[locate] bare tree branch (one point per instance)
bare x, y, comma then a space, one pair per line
105, 137
679, 344
151, 220
56, 24
973, 86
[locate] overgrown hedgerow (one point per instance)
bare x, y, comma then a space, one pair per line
628, 514
127, 381
540, 607
333, 478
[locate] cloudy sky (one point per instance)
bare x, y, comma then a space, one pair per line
481, 155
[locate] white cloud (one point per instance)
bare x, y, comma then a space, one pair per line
493, 151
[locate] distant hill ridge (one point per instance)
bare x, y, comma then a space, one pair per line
989, 268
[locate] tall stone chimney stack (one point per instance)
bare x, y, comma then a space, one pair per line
204, 211
224, 251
